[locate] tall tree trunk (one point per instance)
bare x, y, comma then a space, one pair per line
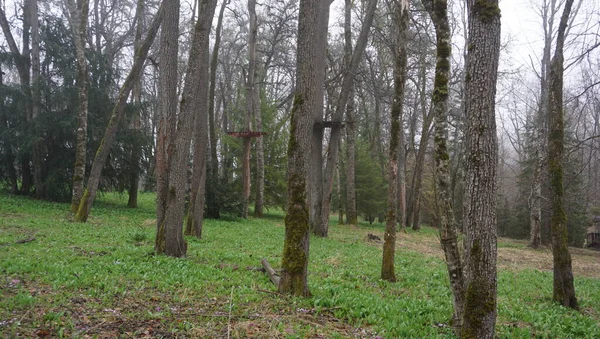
414, 212
351, 214
169, 238
167, 101
7, 145
347, 84
21, 60
297, 239
316, 158
195, 215
539, 129
213, 210
250, 105
116, 117
136, 147
479, 316
78, 14
400, 55
438, 11
563, 289
36, 99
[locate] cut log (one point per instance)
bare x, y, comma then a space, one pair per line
271, 272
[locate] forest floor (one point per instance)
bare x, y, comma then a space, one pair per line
101, 280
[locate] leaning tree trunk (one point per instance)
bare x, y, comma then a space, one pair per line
195, 215
78, 25
167, 101
115, 119
438, 11
563, 291
479, 316
297, 239
400, 55
347, 84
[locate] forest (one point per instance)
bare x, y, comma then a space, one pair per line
299, 168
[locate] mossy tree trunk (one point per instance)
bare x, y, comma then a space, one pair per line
563, 291
78, 22
400, 56
167, 103
438, 11
195, 216
347, 84
115, 119
479, 316
297, 238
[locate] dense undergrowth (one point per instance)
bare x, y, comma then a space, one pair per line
101, 279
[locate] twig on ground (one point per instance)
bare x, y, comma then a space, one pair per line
229, 320
270, 292
24, 315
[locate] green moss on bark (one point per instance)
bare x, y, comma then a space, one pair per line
486, 10
82, 211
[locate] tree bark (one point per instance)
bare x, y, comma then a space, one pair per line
351, 214
195, 215
115, 119
296, 245
347, 84
479, 316
438, 11
22, 62
214, 208
400, 56
36, 98
563, 289
167, 100
136, 147
78, 14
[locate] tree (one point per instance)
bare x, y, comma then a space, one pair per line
78, 22
200, 106
167, 99
444, 213
563, 289
169, 237
322, 225
400, 55
479, 217
115, 119
296, 245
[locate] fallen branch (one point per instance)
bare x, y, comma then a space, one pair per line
271, 272
26, 240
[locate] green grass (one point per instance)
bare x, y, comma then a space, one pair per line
102, 279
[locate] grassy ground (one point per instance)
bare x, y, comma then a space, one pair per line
101, 279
